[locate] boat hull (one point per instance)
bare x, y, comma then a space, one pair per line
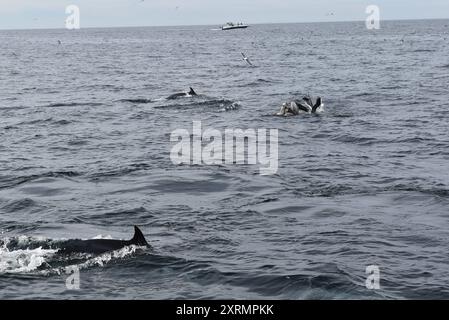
233, 27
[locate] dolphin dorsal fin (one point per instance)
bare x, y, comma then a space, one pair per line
138, 238
192, 92
317, 104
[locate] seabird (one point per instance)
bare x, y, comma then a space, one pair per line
246, 59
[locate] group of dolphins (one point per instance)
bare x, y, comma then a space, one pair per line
99, 246
292, 108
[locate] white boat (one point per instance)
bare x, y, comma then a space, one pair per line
230, 26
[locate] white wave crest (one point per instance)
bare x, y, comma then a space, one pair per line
104, 258
98, 261
22, 261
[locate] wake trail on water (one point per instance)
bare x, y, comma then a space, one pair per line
35, 255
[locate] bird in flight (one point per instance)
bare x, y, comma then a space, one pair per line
246, 59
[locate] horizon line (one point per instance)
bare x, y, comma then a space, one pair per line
201, 25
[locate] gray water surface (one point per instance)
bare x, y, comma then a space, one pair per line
85, 145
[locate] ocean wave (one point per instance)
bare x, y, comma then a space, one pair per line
117, 172
258, 82
18, 205
355, 139
321, 282
23, 260
211, 104
137, 100
71, 104
13, 181
423, 50
381, 186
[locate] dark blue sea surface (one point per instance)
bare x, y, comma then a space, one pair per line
85, 152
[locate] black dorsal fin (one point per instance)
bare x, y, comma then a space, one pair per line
138, 238
192, 92
317, 104
302, 106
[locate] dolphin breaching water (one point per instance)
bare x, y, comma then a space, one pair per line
191, 93
296, 107
98, 246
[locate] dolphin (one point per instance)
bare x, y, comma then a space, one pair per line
283, 111
182, 94
317, 107
306, 105
301, 105
98, 246
307, 99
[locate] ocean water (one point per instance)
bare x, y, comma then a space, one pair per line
85, 152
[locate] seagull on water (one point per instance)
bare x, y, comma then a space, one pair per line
246, 59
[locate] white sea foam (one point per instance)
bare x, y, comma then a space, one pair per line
29, 260
102, 237
23, 260
106, 257
98, 261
